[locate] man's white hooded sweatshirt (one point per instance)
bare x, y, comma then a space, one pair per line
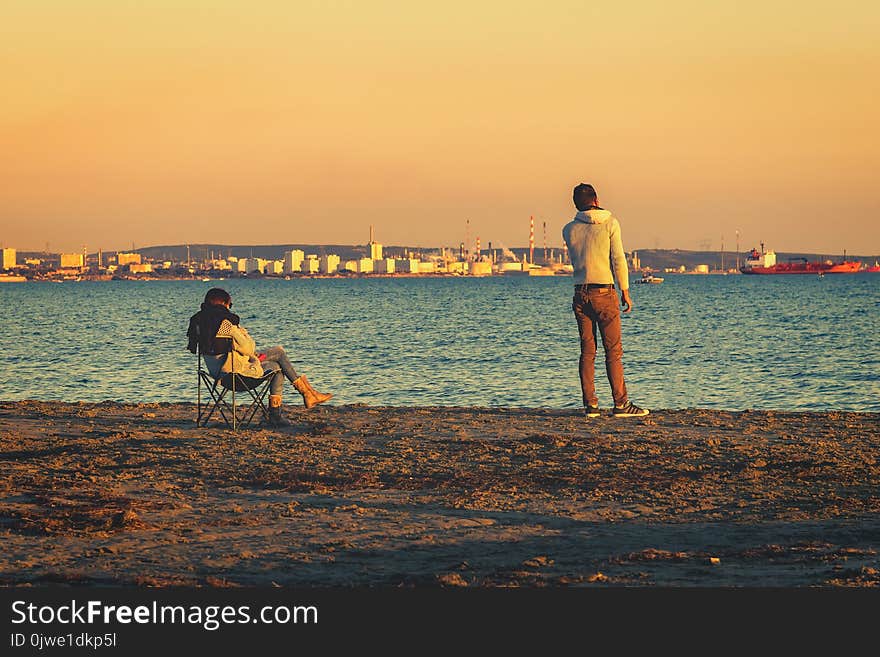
595, 248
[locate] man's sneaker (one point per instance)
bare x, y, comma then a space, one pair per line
630, 410
592, 411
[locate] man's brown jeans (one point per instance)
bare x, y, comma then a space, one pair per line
596, 309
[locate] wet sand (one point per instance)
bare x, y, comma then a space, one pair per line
136, 495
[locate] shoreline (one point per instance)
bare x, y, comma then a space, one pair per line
135, 495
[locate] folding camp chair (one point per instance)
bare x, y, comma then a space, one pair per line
234, 417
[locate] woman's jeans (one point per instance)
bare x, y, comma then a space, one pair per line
277, 360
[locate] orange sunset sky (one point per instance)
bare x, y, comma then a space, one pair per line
169, 122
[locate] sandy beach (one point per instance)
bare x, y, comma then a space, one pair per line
136, 495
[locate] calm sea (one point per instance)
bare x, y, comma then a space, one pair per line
724, 342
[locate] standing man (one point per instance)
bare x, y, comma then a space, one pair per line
594, 245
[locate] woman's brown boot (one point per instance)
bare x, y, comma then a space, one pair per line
311, 397
275, 416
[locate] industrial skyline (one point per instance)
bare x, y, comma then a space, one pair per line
198, 260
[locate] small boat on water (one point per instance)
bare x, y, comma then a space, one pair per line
875, 268
650, 278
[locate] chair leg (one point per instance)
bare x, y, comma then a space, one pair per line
199, 388
248, 413
219, 404
262, 398
258, 397
206, 415
261, 405
202, 409
207, 411
223, 406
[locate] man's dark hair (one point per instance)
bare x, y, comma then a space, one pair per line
217, 296
584, 196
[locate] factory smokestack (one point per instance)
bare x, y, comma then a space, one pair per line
531, 240
545, 242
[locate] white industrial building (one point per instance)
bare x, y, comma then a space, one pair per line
328, 264
293, 261
481, 268
72, 260
407, 266
8, 258
384, 266
250, 265
311, 264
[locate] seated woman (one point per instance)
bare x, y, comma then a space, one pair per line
216, 332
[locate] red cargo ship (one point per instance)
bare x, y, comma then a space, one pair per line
765, 263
